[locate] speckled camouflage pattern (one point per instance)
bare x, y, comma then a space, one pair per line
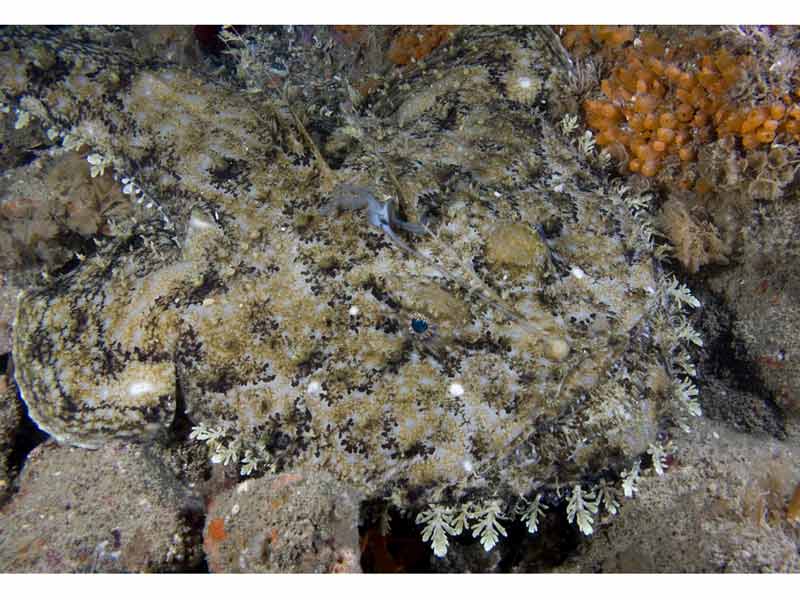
290, 330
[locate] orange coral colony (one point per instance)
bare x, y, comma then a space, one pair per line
653, 107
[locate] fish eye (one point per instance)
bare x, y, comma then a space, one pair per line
419, 325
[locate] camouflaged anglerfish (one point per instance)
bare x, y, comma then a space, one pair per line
292, 338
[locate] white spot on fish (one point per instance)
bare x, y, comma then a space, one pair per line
456, 390
137, 388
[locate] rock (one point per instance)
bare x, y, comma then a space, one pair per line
8, 306
296, 522
112, 510
721, 507
10, 416
762, 290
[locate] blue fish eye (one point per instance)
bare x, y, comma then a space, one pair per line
419, 325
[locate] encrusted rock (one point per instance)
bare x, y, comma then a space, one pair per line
720, 508
8, 306
296, 522
762, 290
112, 510
10, 416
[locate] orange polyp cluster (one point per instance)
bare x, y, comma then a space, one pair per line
653, 107
760, 125
613, 36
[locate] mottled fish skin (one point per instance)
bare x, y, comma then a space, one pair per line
291, 334
82, 383
351, 197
